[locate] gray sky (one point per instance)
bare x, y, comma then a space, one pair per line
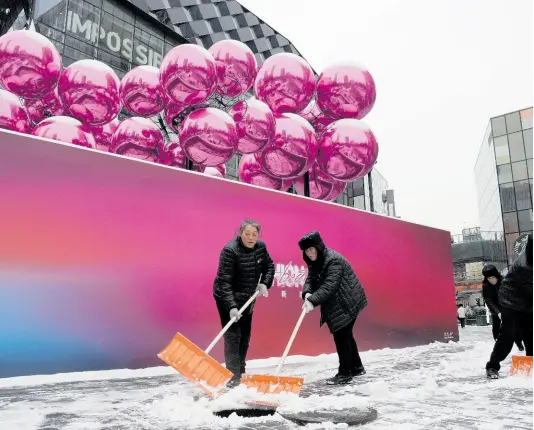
442, 69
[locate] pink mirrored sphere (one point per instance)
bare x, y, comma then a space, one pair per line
213, 171
104, 133
292, 150
255, 125
12, 115
138, 138
322, 186
285, 82
208, 137
30, 64
173, 155
65, 129
346, 90
250, 171
221, 168
347, 150
45, 106
90, 92
141, 92
188, 74
236, 67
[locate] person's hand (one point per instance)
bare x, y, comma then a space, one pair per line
308, 306
235, 313
499, 315
263, 290
306, 296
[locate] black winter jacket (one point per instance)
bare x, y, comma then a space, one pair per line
516, 288
239, 271
332, 283
491, 292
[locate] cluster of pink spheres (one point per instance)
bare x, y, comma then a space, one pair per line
294, 124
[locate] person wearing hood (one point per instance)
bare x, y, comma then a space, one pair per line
241, 264
333, 285
490, 292
515, 302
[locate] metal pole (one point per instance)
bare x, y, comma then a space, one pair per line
371, 202
307, 184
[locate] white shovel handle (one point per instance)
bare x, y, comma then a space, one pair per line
229, 324
291, 339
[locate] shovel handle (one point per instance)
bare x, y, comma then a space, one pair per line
233, 320
291, 339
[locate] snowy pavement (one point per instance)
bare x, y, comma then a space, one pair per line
437, 386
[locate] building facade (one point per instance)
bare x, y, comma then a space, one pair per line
503, 175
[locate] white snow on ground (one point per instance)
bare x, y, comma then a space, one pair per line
437, 386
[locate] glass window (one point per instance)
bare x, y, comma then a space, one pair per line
53, 14
515, 143
522, 195
498, 126
510, 222
504, 173
83, 21
529, 167
147, 48
510, 242
118, 36
114, 61
525, 220
526, 118
519, 169
502, 156
507, 197
513, 123
527, 138
82, 50
50, 33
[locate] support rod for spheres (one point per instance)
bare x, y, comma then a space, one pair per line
307, 184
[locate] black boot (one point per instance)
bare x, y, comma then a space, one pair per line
358, 371
492, 374
234, 382
339, 380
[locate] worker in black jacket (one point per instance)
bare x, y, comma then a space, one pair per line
515, 301
490, 292
333, 285
242, 262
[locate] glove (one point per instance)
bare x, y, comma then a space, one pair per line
308, 306
263, 290
235, 313
499, 315
306, 296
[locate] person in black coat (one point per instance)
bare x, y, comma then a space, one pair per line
333, 285
242, 262
515, 301
490, 292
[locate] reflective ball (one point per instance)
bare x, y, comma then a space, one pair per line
65, 129
347, 150
138, 138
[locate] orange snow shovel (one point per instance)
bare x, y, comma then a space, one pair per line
521, 364
195, 364
276, 384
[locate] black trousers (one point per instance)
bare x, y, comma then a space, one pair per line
347, 350
462, 322
515, 325
496, 329
236, 341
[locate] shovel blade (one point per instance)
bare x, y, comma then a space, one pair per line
197, 366
521, 364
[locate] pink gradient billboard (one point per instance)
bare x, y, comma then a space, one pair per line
103, 259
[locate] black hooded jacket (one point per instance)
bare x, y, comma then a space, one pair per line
332, 283
491, 292
516, 288
239, 272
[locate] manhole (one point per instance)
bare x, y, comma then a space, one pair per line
257, 411
350, 416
